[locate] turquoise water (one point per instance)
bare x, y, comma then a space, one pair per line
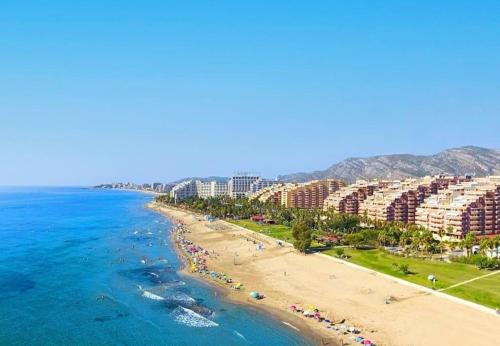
81, 266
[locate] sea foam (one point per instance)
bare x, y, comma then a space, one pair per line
153, 296
192, 319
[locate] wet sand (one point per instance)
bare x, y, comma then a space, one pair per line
340, 291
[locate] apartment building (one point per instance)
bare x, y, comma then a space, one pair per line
311, 194
261, 184
206, 189
240, 184
161, 188
469, 206
347, 199
183, 190
274, 194
197, 188
398, 200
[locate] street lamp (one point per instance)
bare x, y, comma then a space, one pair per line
432, 279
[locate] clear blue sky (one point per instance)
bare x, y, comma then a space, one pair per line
99, 91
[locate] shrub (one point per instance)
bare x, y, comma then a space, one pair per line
482, 262
403, 268
339, 252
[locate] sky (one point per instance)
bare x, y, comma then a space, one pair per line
102, 91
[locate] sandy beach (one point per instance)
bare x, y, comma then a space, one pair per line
340, 291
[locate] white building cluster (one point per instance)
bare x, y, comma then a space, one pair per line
238, 186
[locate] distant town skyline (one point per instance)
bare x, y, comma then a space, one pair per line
163, 90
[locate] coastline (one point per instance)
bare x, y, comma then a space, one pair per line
338, 290
240, 298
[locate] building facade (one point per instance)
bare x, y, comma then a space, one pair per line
398, 200
240, 184
347, 199
311, 194
261, 184
469, 206
197, 188
211, 189
183, 190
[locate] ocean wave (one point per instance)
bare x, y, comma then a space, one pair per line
173, 284
181, 298
150, 295
239, 335
191, 319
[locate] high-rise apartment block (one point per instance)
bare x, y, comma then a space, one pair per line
240, 184
197, 188
311, 194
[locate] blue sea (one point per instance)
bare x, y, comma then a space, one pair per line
92, 267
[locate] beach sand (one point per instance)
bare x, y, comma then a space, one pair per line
340, 291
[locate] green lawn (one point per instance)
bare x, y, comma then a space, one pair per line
484, 291
280, 232
276, 231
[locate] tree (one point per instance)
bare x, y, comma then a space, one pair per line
468, 242
449, 229
406, 238
383, 238
485, 244
495, 244
441, 232
302, 236
442, 246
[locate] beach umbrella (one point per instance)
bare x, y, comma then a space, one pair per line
306, 313
254, 294
367, 342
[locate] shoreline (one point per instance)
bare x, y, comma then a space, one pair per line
290, 321
339, 291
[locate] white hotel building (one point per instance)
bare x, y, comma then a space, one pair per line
198, 188
243, 185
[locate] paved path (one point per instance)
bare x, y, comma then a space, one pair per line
467, 281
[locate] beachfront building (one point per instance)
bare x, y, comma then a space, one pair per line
162, 188
347, 199
239, 184
261, 184
311, 194
470, 206
198, 188
183, 190
206, 189
274, 194
398, 200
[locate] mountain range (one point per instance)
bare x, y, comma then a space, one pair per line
469, 160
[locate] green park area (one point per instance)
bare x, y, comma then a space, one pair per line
276, 231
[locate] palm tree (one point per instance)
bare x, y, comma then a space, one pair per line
441, 232
484, 245
382, 238
495, 243
468, 242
